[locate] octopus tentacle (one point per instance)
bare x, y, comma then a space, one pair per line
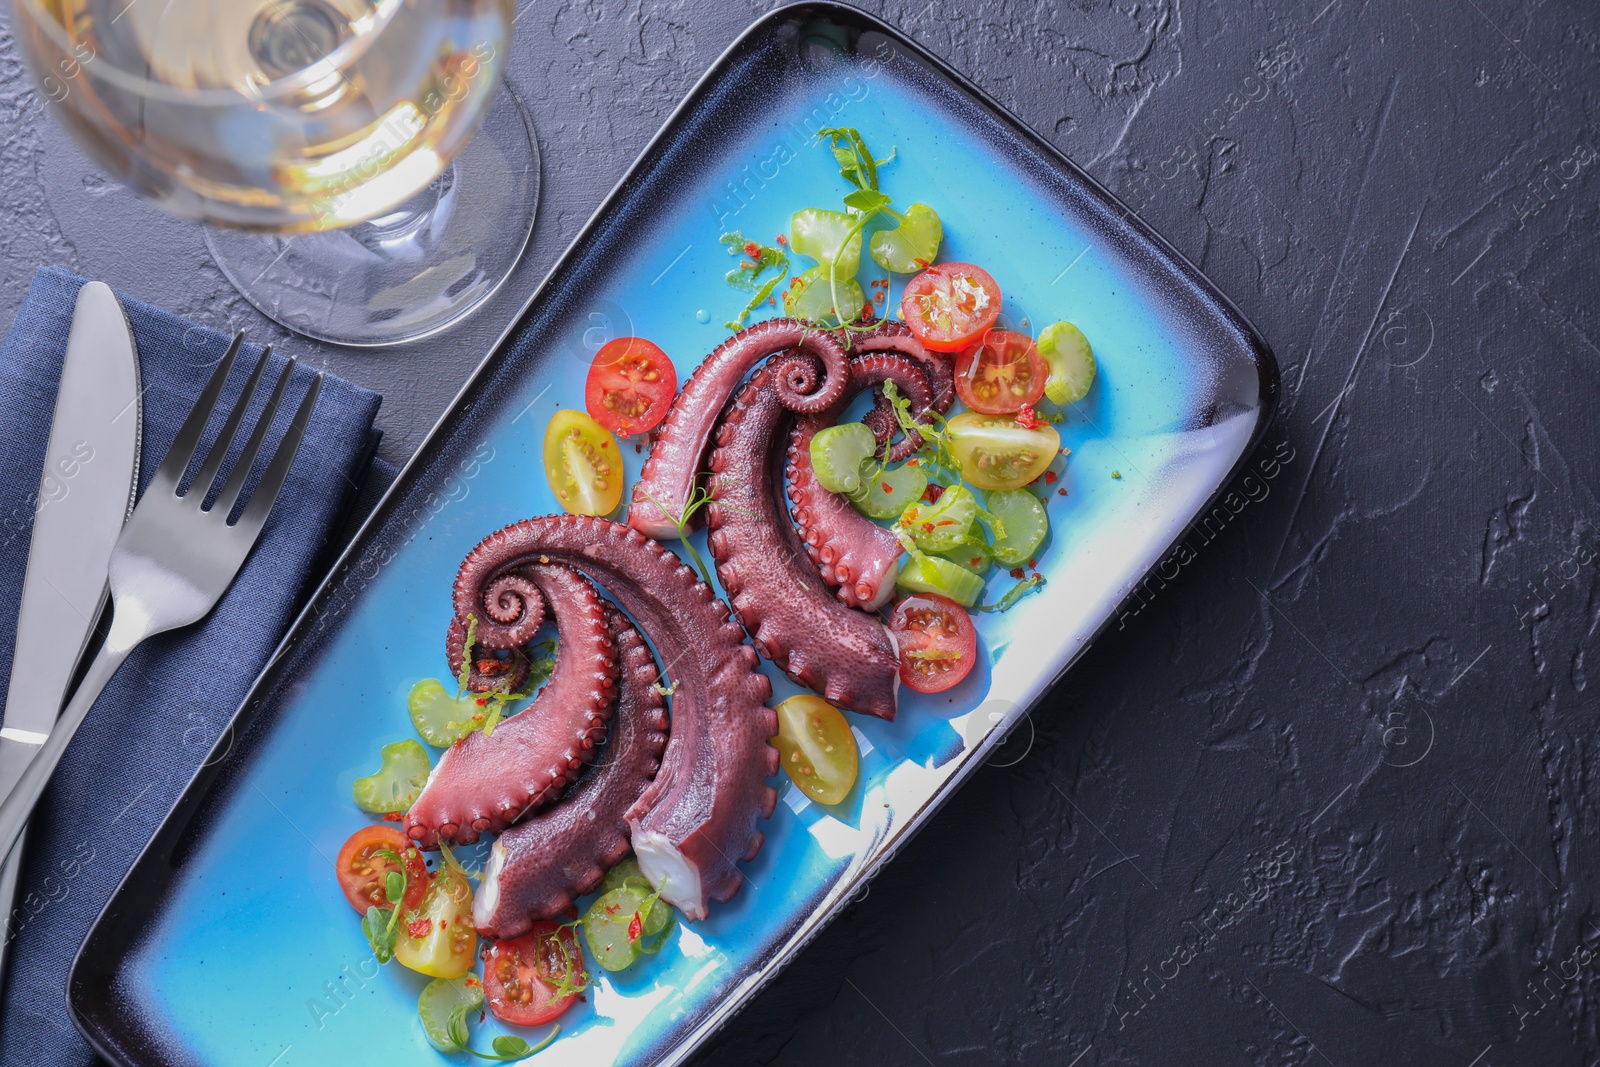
664, 487
700, 812
854, 554
844, 654
890, 336
537, 867
485, 782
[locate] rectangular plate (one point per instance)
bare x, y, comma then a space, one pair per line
229, 942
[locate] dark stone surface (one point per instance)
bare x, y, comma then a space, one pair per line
1364, 702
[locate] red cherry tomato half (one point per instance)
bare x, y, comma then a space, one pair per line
937, 642
949, 306
522, 975
1001, 374
362, 872
631, 385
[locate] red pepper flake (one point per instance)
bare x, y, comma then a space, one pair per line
746, 264
612, 909
483, 702
922, 264
1049, 477
927, 527
933, 492
886, 487
878, 298
635, 928
637, 448
866, 309
394, 816
1062, 491
419, 927
1033, 563
781, 239
975, 561
752, 249
1016, 572
1027, 419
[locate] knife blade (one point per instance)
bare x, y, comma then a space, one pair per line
86, 490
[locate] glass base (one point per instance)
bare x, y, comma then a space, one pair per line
412, 271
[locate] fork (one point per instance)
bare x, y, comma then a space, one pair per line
175, 557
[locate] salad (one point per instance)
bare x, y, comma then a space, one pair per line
950, 482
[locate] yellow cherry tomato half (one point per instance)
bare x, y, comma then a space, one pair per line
437, 937
816, 747
998, 452
583, 464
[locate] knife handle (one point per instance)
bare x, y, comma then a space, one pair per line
24, 796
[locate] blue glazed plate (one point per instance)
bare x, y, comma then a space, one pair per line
181, 968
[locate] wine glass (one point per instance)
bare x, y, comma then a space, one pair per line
319, 137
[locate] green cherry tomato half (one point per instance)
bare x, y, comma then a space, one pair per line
400, 778
837, 454
1024, 522
886, 494
995, 452
932, 574
1067, 353
943, 524
582, 463
821, 235
816, 748
912, 245
810, 297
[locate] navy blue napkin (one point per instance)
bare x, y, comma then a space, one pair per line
160, 715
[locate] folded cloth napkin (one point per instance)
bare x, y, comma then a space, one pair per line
158, 718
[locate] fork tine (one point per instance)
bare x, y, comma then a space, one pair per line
247, 459
255, 512
224, 440
170, 473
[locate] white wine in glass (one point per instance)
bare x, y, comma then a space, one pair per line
329, 117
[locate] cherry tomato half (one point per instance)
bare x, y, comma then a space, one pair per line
630, 386
583, 464
816, 748
949, 306
362, 874
995, 452
1001, 373
437, 938
523, 974
937, 642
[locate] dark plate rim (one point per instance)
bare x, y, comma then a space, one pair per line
91, 989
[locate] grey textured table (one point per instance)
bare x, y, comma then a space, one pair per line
1327, 798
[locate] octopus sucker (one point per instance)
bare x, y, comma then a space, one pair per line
665, 486
485, 782
701, 809
855, 555
539, 866
774, 588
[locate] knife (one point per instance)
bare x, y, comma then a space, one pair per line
87, 489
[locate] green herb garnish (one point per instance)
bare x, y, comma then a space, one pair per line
759, 260
1023, 587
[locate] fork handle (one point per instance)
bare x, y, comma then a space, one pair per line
24, 796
